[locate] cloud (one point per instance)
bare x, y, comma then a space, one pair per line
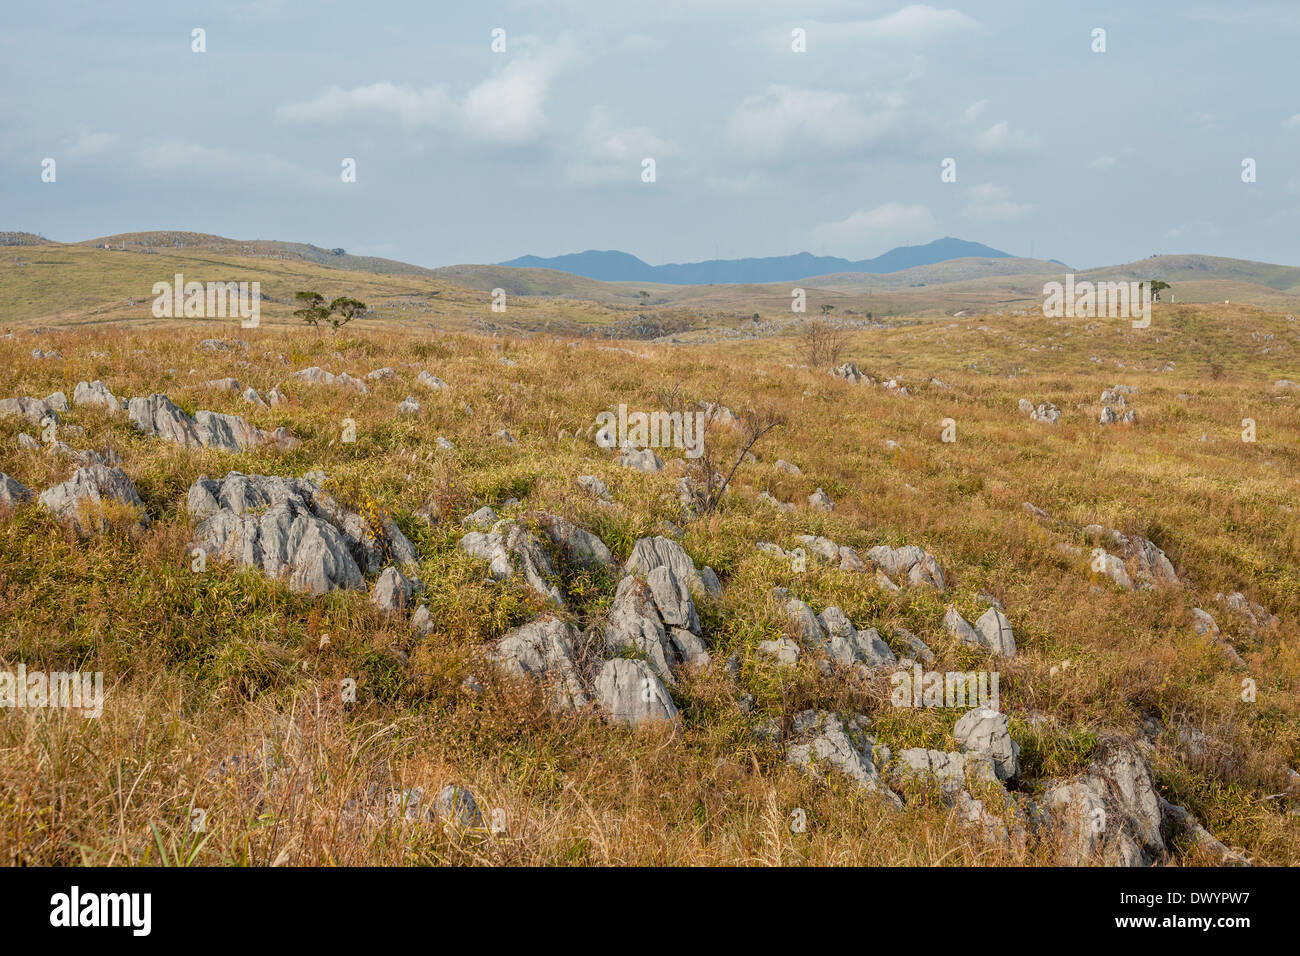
89, 143
766, 123
1103, 162
507, 108
974, 110
872, 228
991, 203
610, 153
1291, 122
911, 24
1001, 137
415, 108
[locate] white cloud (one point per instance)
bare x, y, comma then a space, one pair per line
767, 123
89, 143
1103, 162
911, 24
874, 228
508, 108
974, 110
1291, 122
1001, 137
415, 108
611, 153
991, 203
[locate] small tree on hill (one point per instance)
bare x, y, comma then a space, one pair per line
1156, 288
337, 313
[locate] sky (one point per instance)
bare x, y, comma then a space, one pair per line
466, 154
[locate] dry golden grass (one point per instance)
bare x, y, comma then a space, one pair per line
202, 667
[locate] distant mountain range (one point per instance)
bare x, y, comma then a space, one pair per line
616, 266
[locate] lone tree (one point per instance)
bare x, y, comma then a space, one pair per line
827, 309
338, 313
1156, 287
644, 296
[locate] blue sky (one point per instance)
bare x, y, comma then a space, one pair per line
466, 155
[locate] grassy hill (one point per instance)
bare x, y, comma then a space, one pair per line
223, 687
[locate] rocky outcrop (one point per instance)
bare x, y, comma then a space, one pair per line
909, 564
13, 493
288, 528
822, 741
511, 549
87, 499
158, 416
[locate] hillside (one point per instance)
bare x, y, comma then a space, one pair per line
316, 713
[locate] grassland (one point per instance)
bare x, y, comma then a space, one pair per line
202, 667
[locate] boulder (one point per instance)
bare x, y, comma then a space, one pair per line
629, 693
393, 591
984, 732
95, 393
994, 631
13, 493
543, 650
76, 500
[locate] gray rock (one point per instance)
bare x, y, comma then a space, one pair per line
673, 599
422, 621
640, 460
285, 527
482, 519
429, 380
995, 633
1112, 813
782, 650
823, 741
709, 578
960, 628
649, 553
911, 563
509, 549
543, 650
95, 393
919, 649
593, 485
629, 692
576, 545
457, 808
984, 732
34, 410
76, 499
783, 465
27, 442
393, 591
409, 406
13, 493
380, 374
820, 501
